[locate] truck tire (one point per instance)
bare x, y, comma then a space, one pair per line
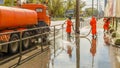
13, 47
26, 42
44, 37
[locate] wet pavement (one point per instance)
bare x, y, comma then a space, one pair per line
91, 53
94, 53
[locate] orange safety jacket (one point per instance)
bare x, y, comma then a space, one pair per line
93, 25
106, 25
69, 24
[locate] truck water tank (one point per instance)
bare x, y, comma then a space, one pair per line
16, 17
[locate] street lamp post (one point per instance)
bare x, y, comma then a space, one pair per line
77, 17
77, 33
97, 10
92, 6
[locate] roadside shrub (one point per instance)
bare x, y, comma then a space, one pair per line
113, 35
111, 30
117, 42
110, 27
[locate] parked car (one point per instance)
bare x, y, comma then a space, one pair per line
81, 19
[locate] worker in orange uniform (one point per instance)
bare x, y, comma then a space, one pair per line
104, 20
106, 24
69, 26
93, 27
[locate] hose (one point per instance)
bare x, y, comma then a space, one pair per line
86, 35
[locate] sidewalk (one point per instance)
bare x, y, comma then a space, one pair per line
114, 52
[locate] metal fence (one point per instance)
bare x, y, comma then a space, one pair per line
52, 37
21, 39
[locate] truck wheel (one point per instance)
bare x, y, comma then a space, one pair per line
13, 47
26, 42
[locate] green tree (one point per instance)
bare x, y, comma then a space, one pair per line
70, 4
10, 2
31, 1
89, 11
59, 7
41, 1
56, 8
7, 2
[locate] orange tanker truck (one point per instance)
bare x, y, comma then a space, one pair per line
27, 16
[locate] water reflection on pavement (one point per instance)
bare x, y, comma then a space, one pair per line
94, 53
91, 53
